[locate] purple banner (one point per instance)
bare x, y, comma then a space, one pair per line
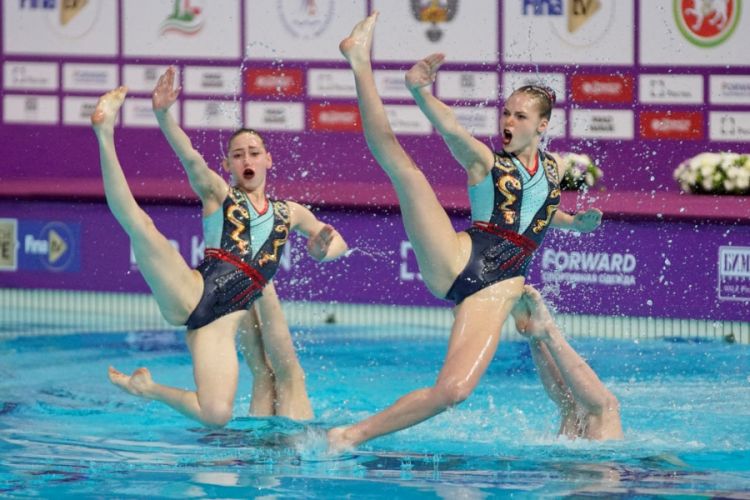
649, 269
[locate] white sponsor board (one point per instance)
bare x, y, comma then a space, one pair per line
601, 124
568, 32
468, 85
60, 27
391, 84
138, 112
90, 77
170, 28
30, 76
212, 80
513, 80
670, 33
211, 114
295, 30
30, 109
143, 77
288, 116
77, 110
468, 33
670, 89
478, 120
327, 83
732, 126
408, 120
729, 89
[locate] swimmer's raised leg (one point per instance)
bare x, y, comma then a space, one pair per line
587, 407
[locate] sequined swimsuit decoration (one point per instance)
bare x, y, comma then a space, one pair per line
234, 275
499, 251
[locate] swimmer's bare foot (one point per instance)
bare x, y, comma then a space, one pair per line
533, 319
337, 442
105, 114
138, 384
356, 47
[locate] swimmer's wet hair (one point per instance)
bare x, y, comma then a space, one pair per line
245, 130
544, 95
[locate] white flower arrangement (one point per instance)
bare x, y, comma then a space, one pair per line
715, 173
576, 170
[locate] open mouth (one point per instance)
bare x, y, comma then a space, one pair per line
507, 136
248, 173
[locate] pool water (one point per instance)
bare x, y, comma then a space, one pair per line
65, 431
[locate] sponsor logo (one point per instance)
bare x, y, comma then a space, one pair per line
40, 76
605, 124
683, 89
730, 89
277, 82
577, 22
671, 125
734, 273
334, 118
306, 19
184, 19
71, 18
434, 12
8, 244
408, 269
602, 268
706, 23
51, 246
601, 88
729, 126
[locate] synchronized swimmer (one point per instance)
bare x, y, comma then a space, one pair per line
514, 195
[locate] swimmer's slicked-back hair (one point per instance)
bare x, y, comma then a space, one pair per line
544, 95
245, 130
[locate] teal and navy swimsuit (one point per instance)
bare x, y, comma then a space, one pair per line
511, 211
243, 248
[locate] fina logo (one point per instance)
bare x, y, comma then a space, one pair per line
435, 13
580, 23
53, 247
306, 19
707, 23
69, 18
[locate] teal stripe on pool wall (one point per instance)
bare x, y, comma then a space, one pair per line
645, 268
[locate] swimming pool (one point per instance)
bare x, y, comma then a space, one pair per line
65, 431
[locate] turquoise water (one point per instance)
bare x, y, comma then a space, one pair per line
65, 431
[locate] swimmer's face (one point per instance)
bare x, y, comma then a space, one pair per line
521, 123
248, 161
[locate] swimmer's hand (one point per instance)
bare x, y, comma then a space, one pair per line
423, 73
165, 93
585, 222
319, 243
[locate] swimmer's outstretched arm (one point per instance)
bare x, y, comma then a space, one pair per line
324, 243
471, 153
207, 184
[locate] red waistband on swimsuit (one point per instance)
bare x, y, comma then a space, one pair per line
243, 266
517, 239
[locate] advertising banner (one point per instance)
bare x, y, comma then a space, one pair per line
647, 269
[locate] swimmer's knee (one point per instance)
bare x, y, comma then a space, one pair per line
216, 413
451, 393
607, 403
